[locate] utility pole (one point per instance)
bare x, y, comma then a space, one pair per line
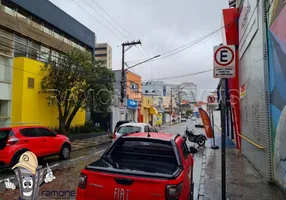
171, 106
123, 82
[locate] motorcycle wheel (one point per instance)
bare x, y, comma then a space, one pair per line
201, 143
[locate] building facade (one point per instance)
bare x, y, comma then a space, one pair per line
29, 104
103, 52
134, 95
28, 29
153, 88
188, 92
130, 109
258, 115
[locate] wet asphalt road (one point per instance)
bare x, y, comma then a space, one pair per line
66, 172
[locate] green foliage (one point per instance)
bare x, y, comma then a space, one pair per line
76, 81
189, 112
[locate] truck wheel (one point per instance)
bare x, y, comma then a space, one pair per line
65, 152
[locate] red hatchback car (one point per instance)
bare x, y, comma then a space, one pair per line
40, 140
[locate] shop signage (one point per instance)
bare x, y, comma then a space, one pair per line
248, 24
224, 61
132, 104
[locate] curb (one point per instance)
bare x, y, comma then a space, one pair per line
89, 146
202, 179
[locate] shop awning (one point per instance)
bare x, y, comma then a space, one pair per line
153, 111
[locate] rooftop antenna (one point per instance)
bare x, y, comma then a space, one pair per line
148, 132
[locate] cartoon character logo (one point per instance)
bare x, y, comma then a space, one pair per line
30, 176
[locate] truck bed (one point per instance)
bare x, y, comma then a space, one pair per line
156, 167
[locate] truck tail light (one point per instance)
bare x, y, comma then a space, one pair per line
82, 181
12, 141
114, 136
173, 192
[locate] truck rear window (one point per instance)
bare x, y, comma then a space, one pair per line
144, 150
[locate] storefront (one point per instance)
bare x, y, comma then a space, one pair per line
132, 110
154, 113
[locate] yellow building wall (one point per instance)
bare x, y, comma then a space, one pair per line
29, 105
147, 103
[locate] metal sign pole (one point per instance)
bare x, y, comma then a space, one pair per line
224, 68
223, 163
213, 146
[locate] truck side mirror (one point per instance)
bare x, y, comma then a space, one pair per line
193, 150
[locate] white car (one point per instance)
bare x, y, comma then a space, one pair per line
199, 122
133, 128
183, 119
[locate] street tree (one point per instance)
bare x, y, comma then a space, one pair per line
189, 112
73, 80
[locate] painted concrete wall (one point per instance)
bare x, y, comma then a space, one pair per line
277, 77
29, 105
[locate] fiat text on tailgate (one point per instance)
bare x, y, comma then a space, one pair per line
147, 166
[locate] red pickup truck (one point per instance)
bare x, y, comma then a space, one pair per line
147, 166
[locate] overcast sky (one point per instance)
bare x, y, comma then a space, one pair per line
161, 25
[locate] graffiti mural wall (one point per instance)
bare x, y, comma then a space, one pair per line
277, 73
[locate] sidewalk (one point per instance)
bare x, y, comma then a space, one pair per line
86, 142
243, 181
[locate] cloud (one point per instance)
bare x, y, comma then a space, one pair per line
162, 25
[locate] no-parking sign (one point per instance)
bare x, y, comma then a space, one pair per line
224, 61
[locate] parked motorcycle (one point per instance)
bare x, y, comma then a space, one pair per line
200, 139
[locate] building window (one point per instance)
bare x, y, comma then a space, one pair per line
6, 39
9, 11
20, 16
134, 87
58, 36
100, 48
46, 30
33, 50
44, 54
67, 41
36, 25
146, 91
20, 47
31, 83
153, 91
101, 55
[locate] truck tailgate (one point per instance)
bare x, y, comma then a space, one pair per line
103, 186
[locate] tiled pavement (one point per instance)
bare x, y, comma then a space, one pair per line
90, 142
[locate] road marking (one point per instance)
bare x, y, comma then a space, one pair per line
57, 164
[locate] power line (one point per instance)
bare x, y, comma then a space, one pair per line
106, 20
124, 30
96, 20
184, 75
113, 19
189, 45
